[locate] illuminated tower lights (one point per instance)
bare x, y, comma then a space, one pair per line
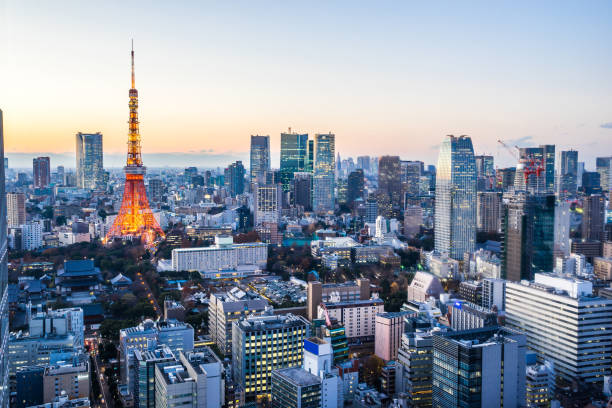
135, 218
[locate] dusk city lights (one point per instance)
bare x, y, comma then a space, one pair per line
305, 205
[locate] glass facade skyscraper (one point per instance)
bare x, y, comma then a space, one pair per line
389, 194
323, 199
568, 180
293, 156
89, 161
260, 158
455, 216
4, 312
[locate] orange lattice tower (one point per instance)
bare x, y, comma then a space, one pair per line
135, 218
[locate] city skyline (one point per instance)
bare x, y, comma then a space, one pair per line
410, 72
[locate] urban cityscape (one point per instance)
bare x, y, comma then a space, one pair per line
301, 275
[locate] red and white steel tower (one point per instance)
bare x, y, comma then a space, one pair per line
135, 218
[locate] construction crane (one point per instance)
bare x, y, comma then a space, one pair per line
530, 164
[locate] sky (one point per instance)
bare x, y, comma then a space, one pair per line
388, 77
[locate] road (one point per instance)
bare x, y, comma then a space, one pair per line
140, 280
107, 400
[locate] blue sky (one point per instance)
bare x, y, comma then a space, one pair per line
385, 77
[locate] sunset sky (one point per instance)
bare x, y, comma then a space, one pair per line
385, 77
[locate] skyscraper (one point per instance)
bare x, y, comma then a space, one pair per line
4, 313
15, 205
260, 158
89, 162
603, 165
234, 178
488, 211
302, 190
485, 172
528, 227
293, 156
411, 180
42, 172
389, 193
354, 186
455, 216
593, 217
568, 176
268, 203
323, 200
543, 155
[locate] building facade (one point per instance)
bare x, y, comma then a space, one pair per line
89, 160
42, 172
260, 158
324, 173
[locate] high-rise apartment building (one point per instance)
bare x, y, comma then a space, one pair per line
528, 228
15, 207
593, 217
564, 323
455, 215
479, 368
323, 200
260, 158
4, 323
234, 178
293, 156
262, 344
568, 176
389, 194
89, 161
42, 172
488, 211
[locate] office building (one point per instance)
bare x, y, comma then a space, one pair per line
591, 183
145, 362
89, 161
148, 335
268, 203
42, 172
15, 208
593, 217
411, 172
544, 156
602, 268
59, 322
603, 166
358, 317
318, 293
293, 156
174, 387
295, 387
324, 175
413, 219
423, 286
29, 386
467, 316
66, 379
479, 368
488, 211
260, 158
564, 323
156, 190
540, 384
355, 185
388, 332
562, 229
485, 172
263, 344
222, 260
389, 193
319, 360
455, 214
528, 228
302, 190
206, 370
371, 210
226, 308
494, 293
415, 368
234, 178
568, 177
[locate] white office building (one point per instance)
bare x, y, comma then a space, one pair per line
358, 316
222, 260
564, 323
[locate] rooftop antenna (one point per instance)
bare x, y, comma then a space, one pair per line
133, 76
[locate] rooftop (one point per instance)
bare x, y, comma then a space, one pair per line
298, 376
260, 323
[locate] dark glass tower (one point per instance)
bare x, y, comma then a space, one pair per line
569, 173
260, 158
293, 156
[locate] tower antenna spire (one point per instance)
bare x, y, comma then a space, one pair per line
133, 76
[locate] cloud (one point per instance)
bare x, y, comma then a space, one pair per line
607, 125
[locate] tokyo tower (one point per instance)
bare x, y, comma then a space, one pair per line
135, 218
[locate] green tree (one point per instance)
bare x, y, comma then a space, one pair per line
60, 220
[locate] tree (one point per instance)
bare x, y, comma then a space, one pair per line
60, 220
47, 212
102, 213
